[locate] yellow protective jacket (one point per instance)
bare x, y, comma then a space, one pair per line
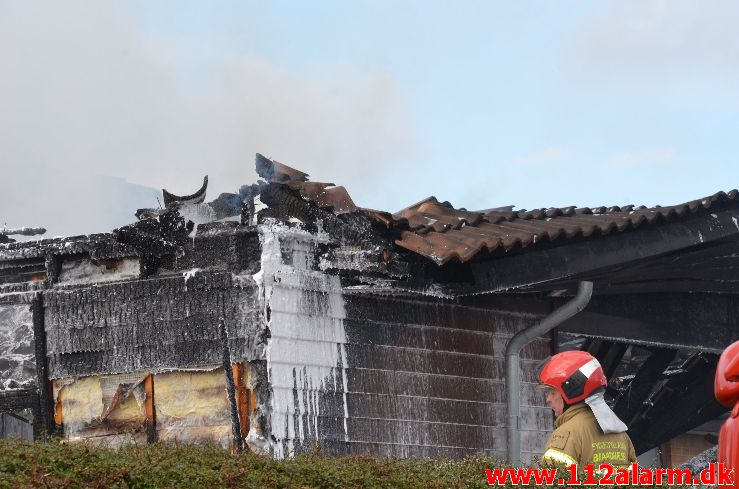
578, 439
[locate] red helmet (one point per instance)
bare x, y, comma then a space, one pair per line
726, 384
574, 374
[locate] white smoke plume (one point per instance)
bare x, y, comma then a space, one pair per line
84, 92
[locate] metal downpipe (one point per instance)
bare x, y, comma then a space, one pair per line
513, 363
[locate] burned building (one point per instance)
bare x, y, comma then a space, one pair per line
284, 317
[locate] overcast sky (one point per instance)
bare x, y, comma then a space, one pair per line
484, 104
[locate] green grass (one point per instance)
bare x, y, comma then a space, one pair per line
54, 464
57, 465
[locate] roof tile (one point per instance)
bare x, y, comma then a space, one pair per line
442, 233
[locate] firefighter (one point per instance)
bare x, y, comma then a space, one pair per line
586, 430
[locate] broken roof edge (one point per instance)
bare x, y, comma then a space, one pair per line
70, 245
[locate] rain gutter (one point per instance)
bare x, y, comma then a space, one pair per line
513, 363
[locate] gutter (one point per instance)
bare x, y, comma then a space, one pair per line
513, 363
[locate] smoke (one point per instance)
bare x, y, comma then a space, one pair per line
678, 49
85, 93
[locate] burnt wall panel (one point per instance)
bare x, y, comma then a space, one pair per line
153, 324
17, 361
220, 245
425, 378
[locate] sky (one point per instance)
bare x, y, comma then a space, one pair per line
483, 104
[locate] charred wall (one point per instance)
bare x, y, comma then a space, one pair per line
344, 368
154, 324
17, 361
391, 375
400, 377
112, 324
425, 379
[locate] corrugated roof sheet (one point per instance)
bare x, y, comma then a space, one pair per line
442, 233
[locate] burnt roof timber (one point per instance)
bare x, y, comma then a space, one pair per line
574, 259
99, 246
650, 286
629, 404
608, 353
678, 334
700, 256
706, 262
678, 405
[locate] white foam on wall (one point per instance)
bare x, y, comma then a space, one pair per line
305, 353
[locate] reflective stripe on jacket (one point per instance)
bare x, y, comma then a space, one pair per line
578, 439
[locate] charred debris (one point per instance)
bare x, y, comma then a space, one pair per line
6, 233
283, 194
284, 315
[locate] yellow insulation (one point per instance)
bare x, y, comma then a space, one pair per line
192, 406
103, 409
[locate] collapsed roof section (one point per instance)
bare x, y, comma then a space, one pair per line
490, 250
462, 252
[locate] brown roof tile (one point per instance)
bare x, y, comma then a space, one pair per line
442, 233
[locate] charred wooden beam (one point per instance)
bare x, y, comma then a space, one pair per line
676, 286
58, 412
44, 425
150, 410
631, 401
243, 398
682, 404
678, 333
53, 264
231, 390
608, 353
667, 374
707, 262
